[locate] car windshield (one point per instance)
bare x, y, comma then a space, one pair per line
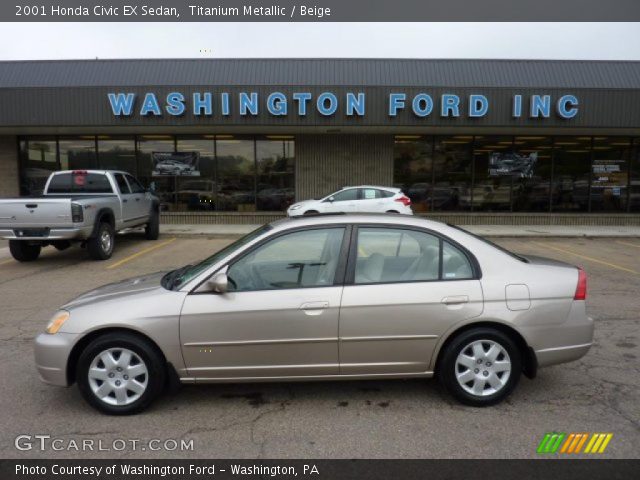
180, 276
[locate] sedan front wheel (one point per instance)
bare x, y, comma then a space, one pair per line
481, 367
120, 373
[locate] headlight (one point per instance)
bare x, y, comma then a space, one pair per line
294, 207
57, 321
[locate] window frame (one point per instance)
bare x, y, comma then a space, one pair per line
353, 255
357, 190
339, 277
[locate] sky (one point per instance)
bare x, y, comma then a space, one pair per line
27, 41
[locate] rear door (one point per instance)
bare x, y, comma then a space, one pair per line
404, 289
128, 208
371, 201
141, 203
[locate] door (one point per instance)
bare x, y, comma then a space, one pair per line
129, 211
371, 201
342, 201
141, 200
404, 289
280, 315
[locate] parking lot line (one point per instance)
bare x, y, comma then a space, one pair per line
7, 262
141, 252
628, 244
591, 259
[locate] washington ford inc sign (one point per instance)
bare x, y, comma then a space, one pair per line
353, 104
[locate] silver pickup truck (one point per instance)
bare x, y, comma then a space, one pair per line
86, 206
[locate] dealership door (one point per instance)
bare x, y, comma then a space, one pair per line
399, 304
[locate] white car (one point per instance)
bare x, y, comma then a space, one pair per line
362, 199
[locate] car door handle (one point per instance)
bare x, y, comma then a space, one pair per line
138, 199
314, 308
455, 300
124, 200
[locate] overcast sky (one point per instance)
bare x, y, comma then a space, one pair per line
19, 41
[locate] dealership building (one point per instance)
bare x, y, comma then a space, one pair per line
238, 140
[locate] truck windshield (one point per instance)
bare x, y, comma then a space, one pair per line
79, 182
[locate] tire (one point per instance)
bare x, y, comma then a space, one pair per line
311, 212
392, 211
104, 387
152, 229
23, 252
98, 246
478, 366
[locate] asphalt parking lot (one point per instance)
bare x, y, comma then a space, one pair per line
368, 419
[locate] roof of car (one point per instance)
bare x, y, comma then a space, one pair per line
341, 218
391, 189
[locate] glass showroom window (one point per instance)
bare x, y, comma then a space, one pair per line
38, 159
165, 185
531, 166
413, 169
494, 158
571, 172
634, 189
199, 191
275, 170
453, 165
78, 153
610, 174
117, 153
236, 173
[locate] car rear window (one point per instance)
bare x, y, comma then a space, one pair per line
489, 242
79, 182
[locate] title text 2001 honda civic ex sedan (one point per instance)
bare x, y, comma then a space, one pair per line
325, 298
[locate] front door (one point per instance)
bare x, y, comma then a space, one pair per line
343, 201
141, 201
279, 317
404, 289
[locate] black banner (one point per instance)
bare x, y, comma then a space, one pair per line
320, 11
569, 469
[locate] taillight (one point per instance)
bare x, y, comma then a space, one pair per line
77, 215
581, 288
406, 201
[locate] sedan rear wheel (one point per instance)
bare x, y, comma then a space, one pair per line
481, 367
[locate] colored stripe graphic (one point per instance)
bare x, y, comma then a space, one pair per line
572, 443
551, 442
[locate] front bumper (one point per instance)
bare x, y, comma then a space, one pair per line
52, 355
72, 233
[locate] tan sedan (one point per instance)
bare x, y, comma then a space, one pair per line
325, 297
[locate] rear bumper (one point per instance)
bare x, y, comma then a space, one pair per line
564, 342
52, 354
72, 233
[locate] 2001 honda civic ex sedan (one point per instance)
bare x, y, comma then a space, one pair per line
325, 298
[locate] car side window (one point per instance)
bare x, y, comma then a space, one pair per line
122, 184
346, 195
396, 255
303, 259
455, 264
370, 193
135, 184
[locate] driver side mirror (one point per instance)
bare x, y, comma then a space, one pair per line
331, 199
219, 283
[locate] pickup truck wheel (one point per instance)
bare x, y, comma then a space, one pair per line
100, 246
23, 251
152, 229
120, 373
